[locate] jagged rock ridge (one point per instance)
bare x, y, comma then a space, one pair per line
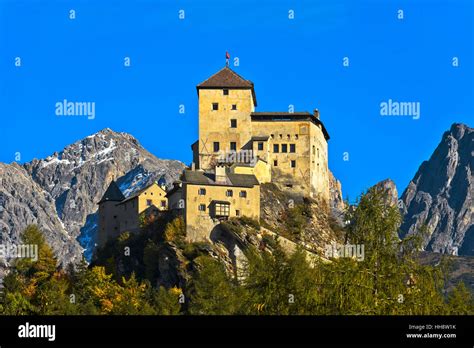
440, 195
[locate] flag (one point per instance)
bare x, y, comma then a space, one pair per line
227, 55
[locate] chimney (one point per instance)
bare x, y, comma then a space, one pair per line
193, 166
316, 113
220, 174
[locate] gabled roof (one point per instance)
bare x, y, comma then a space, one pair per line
202, 178
227, 78
139, 192
112, 194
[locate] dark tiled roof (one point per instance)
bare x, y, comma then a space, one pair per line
289, 116
260, 138
201, 178
112, 194
246, 180
195, 177
219, 202
227, 78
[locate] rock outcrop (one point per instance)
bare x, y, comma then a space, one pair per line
24, 202
440, 195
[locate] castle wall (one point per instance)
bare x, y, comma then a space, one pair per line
198, 222
109, 222
319, 162
151, 198
287, 133
215, 125
129, 216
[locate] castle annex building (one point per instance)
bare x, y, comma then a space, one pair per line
118, 214
238, 150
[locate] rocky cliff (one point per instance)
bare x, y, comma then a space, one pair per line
440, 195
24, 202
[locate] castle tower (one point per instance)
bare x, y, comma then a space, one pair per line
226, 101
109, 225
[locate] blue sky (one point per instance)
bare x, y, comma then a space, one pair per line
298, 62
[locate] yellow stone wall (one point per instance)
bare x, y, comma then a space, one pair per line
156, 195
215, 126
284, 132
319, 162
310, 174
261, 170
199, 224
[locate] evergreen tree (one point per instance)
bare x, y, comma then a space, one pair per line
211, 290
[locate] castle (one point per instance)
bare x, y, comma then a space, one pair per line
238, 149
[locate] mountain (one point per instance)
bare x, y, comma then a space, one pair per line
60, 193
390, 188
24, 202
440, 195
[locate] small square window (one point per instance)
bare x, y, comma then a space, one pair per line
275, 163
292, 147
276, 148
284, 148
202, 192
163, 204
237, 213
226, 92
233, 146
202, 207
149, 202
234, 106
216, 146
293, 164
229, 193
215, 106
260, 146
243, 194
233, 123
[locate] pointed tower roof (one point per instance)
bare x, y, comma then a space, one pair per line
112, 194
227, 78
